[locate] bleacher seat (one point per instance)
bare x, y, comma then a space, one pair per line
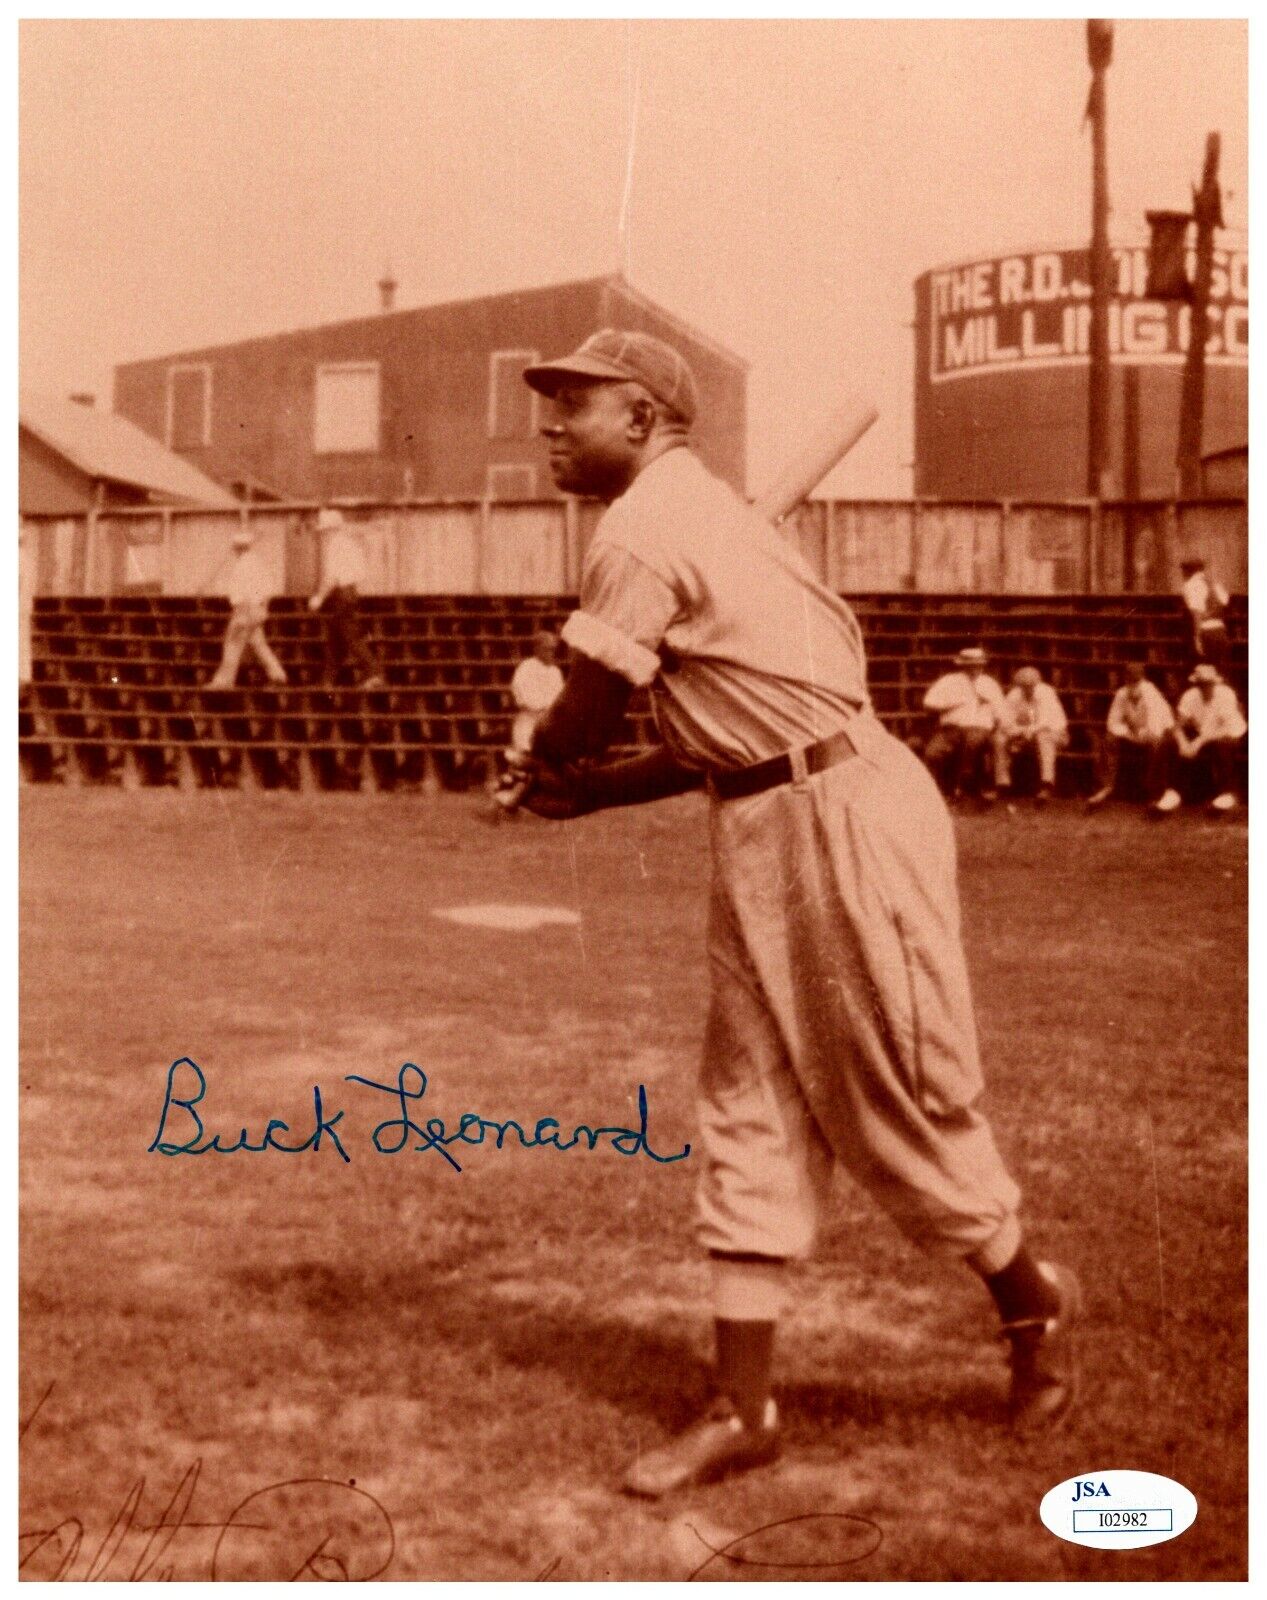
118, 691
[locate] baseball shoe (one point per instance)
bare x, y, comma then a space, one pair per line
1099, 798
1044, 794
989, 796
1044, 1377
1223, 802
714, 1447
1169, 802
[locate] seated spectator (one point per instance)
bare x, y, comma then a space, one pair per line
248, 588
1133, 759
964, 747
1207, 601
1209, 726
1033, 725
537, 683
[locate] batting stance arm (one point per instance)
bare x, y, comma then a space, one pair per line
586, 717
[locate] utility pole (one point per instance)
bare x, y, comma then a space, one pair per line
1099, 375
1207, 211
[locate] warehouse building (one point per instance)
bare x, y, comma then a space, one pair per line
419, 404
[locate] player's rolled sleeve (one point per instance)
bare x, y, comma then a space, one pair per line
624, 611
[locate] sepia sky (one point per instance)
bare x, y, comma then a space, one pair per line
778, 184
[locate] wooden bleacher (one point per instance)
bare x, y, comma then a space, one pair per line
118, 686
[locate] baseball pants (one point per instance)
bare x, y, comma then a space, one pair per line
841, 1025
246, 632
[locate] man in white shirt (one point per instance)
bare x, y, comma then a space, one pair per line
1207, 601
1033, 723
840, 1026
967, 744
537, 683
338, 598
1209, 726
248, 588
1134, 754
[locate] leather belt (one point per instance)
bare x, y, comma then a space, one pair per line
829, 752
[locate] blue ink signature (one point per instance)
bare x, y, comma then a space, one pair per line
193, 1145
472, 1128
390, 1136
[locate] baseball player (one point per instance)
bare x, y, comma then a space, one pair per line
248, 588
1209, 724
840, 1025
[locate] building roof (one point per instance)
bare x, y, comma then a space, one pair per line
611, 280
104, 445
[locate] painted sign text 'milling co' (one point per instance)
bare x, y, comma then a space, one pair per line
1031, 310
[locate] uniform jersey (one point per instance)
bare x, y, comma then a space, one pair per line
248, 581
1140, 713
1219, 717
689, 590
344, 561
966, 702
1023, 716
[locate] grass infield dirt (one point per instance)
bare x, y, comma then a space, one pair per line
469, 1359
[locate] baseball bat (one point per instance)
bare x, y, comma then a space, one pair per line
829, 443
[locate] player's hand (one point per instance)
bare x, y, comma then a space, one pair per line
554, 795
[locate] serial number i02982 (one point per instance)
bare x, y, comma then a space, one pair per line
1122, 1519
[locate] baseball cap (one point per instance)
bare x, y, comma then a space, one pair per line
619, 356
1204, 674
1028, 677
973, 656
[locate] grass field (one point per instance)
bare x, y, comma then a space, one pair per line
475, 1355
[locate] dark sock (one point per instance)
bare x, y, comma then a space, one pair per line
1021, 1291
745, 1359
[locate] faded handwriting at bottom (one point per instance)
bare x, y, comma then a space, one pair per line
840, 1539
299, 1529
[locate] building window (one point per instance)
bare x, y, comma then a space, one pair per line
345, 408
511, 483
512, 405
189, 406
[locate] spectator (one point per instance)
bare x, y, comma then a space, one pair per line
1033, 725
966, 743
1209, 726
1207, 602
338, 599
536, 685
248, 589
1135, 750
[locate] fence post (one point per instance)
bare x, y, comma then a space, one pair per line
916, 552
481, 535
1091, 545
92, 554
166, 583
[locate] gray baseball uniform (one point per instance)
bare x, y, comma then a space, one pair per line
840, 1024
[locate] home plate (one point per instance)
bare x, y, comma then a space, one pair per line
515, 919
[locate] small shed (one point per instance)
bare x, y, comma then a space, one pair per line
73, 458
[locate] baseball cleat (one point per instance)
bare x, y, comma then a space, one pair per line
714, 1447
1099, 798
1223, 802
1044, 1377
1169, 802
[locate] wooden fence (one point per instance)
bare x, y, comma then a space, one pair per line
536, 547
